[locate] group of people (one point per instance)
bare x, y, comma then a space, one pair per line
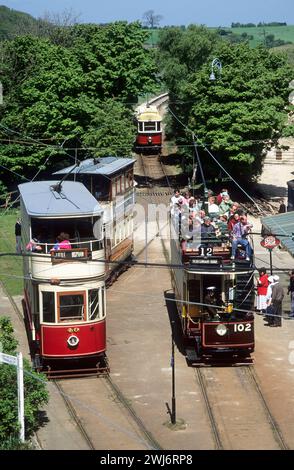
270, 295
62, 243
218, 217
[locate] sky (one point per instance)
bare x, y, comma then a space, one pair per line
174, 12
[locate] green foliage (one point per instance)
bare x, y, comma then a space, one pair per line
7, 340
12, 22
111, 123
57, 94
236, 113
36, 394
182, 52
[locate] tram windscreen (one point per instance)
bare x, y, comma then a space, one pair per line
48, 307
71, 307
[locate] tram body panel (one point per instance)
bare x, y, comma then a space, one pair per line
77, 340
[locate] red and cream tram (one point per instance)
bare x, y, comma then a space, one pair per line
224, 332
111, 181
64, 290
149, 130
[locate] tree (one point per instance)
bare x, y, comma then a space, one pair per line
151, 20
54, 93
239, 112
36, 394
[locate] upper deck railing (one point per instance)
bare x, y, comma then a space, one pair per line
78, 262
211, 249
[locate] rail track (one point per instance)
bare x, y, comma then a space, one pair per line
237, 410
101, 399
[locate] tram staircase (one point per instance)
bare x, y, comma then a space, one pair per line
244, 294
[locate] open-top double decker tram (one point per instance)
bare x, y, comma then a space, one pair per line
214, 295
64, 290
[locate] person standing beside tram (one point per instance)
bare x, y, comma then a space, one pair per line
262, 285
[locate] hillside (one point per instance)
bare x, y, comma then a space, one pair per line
285, 33
13, 22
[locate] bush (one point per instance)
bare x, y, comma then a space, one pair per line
34, 389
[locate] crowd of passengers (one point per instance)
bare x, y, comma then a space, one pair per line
222, 219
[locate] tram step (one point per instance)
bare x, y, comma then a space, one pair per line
191, 354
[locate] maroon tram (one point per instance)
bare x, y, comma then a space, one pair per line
149, 136
201, 264
64, 289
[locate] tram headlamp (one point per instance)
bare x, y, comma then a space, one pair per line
73, 341
221, 329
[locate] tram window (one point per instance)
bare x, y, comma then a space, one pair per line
194, 290
149, 126
71, 307
141, 126
158, 126
48, 307
93, 301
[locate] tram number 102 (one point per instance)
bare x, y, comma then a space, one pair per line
239, 327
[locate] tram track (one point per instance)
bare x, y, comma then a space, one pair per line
105, 412
237, 409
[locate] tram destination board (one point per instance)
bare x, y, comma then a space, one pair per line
204, 261
79, 254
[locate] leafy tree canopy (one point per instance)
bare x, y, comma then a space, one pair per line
57, 94
237, 112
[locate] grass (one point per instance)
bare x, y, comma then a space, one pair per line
10, 265
286, 33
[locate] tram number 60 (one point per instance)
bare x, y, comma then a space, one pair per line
238, 327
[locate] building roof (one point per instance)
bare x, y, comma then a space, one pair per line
99, 166
282, 226
42, 199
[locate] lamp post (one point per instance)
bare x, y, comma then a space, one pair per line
215, 63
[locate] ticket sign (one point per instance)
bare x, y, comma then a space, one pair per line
270, 242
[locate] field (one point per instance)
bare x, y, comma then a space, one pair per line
286, 33
10, 266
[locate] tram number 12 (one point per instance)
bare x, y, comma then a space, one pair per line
205, 251
239, 327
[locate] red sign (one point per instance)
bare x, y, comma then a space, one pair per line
270, 242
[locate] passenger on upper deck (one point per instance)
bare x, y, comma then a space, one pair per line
225, 205
233, 220
207, 229
213, 208
239, 237
64, 243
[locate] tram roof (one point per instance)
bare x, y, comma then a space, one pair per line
99, 166
282, 226
41, 199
